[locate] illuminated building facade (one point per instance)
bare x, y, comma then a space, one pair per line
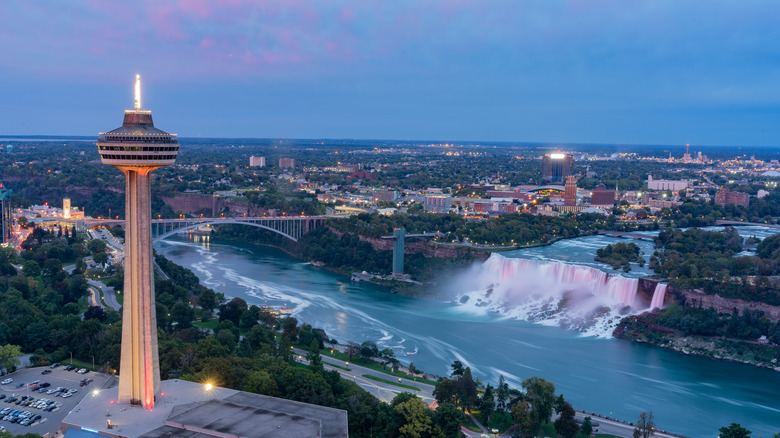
602, 196
137, 148
6, 220
570, 192
556, 167
724, 196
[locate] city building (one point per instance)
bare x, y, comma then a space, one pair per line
287, 163
602, 196
190, 409
570, 191
66, 208
342, 168
137, 148
383, 195
6, 220
666, 184
724, 196
256, 161
556, 167
439, 203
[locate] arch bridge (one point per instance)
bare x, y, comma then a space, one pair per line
291, 227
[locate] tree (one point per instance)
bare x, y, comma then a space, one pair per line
95, 312
352, 349
521, 414
290, 328
467, 390
232, 310
645, 425
368, 349
182, 314
733, 431
457, 368
449, 418
207, 300
313, 356
587, 427
487, 404
565, 425
9, 356
541, 396
502, 393
415, 421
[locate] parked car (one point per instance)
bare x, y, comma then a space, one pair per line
83, 371
46, 372
6, 381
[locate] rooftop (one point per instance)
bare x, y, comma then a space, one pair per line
187, 409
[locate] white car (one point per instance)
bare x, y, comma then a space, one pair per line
6, 381
83, 371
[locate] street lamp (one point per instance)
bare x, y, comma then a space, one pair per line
71, 358
93, 363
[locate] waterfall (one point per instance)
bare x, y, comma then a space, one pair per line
552, 293
658, 296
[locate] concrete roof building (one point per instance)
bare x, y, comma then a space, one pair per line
189, 410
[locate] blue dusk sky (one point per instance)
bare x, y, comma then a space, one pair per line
598, 71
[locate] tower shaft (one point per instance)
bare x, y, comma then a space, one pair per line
139, 378
137, 148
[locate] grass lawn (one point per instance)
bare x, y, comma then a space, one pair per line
390, 382
210, 324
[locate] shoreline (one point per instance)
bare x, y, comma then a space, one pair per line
615, 334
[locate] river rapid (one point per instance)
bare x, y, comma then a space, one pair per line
687, 394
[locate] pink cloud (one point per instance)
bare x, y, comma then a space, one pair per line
207, 43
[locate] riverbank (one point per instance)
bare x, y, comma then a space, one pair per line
641, 329
437, 333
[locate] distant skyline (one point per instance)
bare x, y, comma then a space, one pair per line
600, 71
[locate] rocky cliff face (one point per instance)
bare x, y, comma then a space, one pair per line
692, 298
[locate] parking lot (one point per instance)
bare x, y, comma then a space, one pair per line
50, 420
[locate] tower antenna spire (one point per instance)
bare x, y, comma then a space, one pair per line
138, 92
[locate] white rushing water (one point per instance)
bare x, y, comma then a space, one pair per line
572, 296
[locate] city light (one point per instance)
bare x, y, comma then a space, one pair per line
208, 387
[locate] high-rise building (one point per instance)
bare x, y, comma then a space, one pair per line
286, 163
137, 148
556, 167
6, 220
66, 208
256, 161
570, 191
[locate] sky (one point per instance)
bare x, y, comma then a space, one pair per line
592, 71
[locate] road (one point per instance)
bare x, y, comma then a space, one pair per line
383, 391
108, 293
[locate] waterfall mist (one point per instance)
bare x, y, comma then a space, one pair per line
552, 293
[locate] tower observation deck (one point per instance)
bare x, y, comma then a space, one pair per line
137, 148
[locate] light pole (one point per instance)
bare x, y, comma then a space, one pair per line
71, 358
93, 363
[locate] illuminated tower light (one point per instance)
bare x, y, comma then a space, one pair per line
137, 148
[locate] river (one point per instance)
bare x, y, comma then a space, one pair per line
687, 394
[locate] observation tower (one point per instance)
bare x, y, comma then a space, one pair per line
137, 148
